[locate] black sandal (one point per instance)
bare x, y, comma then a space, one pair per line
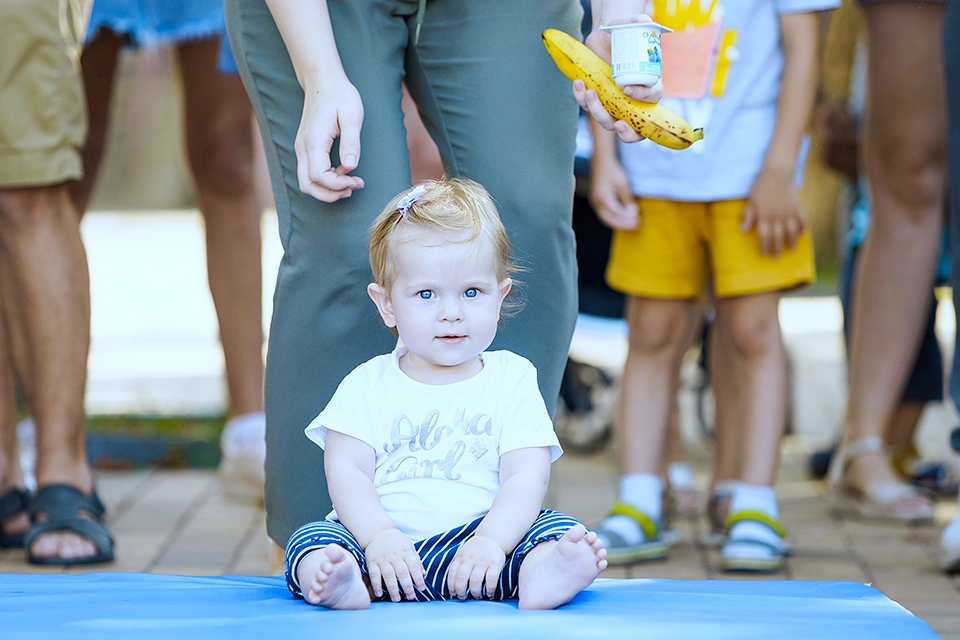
62, 505
11, 503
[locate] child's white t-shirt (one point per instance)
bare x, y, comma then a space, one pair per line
438, 446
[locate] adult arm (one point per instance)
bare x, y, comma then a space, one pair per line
524, 475
332, 107
391, 557
773, 206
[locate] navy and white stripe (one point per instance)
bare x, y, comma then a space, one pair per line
436, 552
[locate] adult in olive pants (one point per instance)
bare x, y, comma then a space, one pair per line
500, 113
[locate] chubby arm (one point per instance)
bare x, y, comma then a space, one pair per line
332, 107
524, 475
391, 557
773, 206
610, 194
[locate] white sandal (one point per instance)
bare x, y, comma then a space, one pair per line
891, 500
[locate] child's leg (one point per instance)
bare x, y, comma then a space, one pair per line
755, 539
554, 571
323, 566
658, 337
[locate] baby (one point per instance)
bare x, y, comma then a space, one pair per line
438, 455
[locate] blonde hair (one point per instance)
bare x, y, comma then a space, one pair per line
457, 209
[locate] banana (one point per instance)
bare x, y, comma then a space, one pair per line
650, 120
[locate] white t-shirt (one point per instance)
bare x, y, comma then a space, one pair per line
731, 92
438, 447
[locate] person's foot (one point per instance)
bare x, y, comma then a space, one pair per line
243, 452
14, 517
569, 567
67, 527
337, 583
871, 476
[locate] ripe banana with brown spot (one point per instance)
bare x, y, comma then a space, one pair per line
650, 120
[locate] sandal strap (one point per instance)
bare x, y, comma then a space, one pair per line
759, 517
846, 453
649, 527
13, 502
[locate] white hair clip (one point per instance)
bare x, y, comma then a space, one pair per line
407, 201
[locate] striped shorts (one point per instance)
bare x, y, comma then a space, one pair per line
436, 552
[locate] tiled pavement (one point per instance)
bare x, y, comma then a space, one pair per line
177, 521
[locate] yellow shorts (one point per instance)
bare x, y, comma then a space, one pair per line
680, 244
43, 120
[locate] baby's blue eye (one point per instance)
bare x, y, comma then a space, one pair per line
426, 294
471, 293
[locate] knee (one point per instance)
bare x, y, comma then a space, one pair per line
754, 335
659, 333
222, 166
910, 169
22, 210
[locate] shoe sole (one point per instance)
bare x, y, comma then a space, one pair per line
633, 555
845, 504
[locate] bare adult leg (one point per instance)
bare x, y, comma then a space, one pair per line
99, 64
11, 477
49, 303
219, 138
904, 157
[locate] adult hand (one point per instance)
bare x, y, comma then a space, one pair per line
607, 13
773, 207
393, 561
476, 567
329, 112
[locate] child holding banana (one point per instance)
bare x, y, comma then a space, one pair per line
725, 210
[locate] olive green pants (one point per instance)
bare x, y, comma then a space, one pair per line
500, 113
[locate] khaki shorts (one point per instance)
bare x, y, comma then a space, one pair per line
43, 116
680, 244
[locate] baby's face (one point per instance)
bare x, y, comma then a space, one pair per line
445, 303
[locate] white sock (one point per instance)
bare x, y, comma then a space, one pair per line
680, 475
643, 491
751, 497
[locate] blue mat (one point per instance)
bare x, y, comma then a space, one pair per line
103, 606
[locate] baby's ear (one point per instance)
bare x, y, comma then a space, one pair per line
381, 298
505, 285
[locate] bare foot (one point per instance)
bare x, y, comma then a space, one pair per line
337, 582
564, 570
64, 545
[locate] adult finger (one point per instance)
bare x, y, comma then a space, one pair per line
350, 142
644, 93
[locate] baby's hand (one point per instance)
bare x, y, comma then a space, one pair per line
393, 561
478, 561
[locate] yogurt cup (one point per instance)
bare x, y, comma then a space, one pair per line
635, 52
